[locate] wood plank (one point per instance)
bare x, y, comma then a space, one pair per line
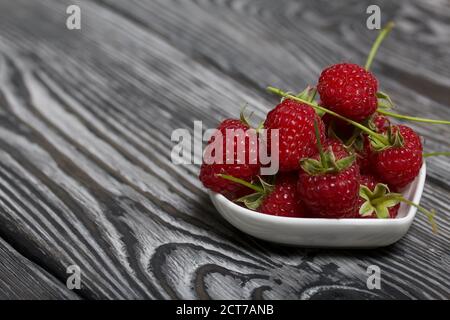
20, 278
297, 43
85, 176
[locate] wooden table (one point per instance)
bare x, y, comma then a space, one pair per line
85, 123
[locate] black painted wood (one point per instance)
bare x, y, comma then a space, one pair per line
20, 279
85, 124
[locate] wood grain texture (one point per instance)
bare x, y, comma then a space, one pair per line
21, 279
85, 124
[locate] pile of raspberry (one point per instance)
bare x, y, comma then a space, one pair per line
338, 158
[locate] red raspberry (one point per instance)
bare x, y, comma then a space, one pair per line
242, 192
283, 200
341, 128
398, 165
295, 122
378, 123
331, 194
337, 147
370, 182
349, 90
363, 156
246, 171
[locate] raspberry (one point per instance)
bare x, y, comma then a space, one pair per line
349, 90
209, 171
329, 186
370, 182
283, 200
295, 122
399, 164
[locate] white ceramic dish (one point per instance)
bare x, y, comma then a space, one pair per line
331, 233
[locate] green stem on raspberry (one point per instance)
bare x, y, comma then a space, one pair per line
377, 136
242, 182
432, 154
319, 145
373, 51
400, 116
313, 94
395, 196
430, 214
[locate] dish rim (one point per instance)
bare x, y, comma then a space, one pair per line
254, 215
